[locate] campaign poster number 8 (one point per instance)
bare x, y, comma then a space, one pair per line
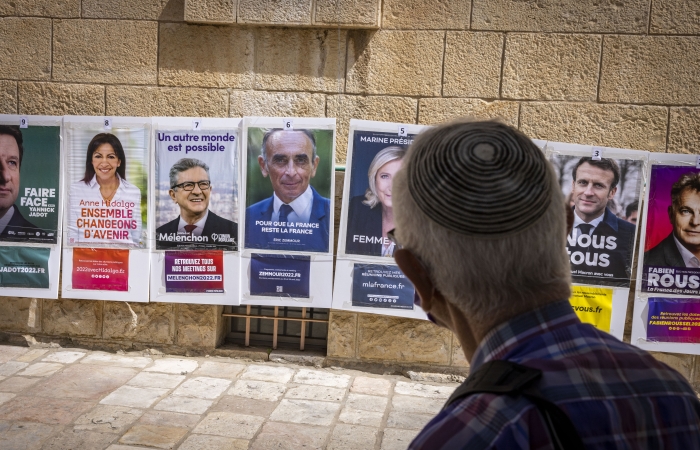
195, 210
106, 219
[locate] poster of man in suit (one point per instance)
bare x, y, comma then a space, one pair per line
288, 189
601, 243
672, 243
197, 190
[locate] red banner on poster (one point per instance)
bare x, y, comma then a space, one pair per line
101, 269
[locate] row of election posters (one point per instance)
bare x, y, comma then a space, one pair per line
239, 211
217, 211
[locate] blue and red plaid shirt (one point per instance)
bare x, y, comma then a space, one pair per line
617, 396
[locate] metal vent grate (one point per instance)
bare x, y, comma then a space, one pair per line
278, 326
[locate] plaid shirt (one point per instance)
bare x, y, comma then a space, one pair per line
617, 396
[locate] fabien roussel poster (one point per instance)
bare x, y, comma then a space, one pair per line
672, 242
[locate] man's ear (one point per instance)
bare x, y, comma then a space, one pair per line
417, 274
172, 195
569, 218
315, 163
263, 168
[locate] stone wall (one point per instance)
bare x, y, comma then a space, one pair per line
618, 73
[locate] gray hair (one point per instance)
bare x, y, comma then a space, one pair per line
185, 164
486, 275
384, 156
271, 131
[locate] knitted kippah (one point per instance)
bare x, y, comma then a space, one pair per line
481, 179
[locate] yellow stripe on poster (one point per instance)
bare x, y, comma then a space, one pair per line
593, 305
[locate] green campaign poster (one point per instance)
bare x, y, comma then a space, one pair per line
29, 183
24, 267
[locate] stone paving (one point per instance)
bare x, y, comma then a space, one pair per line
62, 399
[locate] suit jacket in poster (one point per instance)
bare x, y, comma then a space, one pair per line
315, 242
365, 223
664, 254
619, 267
18, 224
215, 225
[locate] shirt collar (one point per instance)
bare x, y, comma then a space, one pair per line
299, 204
689, 259
199, 224
595, 222
505, 337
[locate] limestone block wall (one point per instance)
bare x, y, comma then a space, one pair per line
622, 73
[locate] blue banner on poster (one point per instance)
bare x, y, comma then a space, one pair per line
280, 275
381, 286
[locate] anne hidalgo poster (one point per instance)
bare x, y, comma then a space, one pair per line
667, 303
106, 245
366, 278
30, 205
195, 197
289, 174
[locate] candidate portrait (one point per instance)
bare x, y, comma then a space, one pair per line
196, 226
681, 248
371, 216
600, 242
103, 188
13, 226
295, 216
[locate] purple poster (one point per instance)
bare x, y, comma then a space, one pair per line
672, 244
194, 271
280, 275
673, 320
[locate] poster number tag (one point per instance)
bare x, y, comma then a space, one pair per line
197, 124
23, 122
107, 122
402, 131
596, 153
288, 125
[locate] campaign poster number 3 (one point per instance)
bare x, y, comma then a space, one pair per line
604, 196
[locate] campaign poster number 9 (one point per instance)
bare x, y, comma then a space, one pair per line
108, 183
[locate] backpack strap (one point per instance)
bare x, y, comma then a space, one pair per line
509, 378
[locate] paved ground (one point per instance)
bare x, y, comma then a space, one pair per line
78, 399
